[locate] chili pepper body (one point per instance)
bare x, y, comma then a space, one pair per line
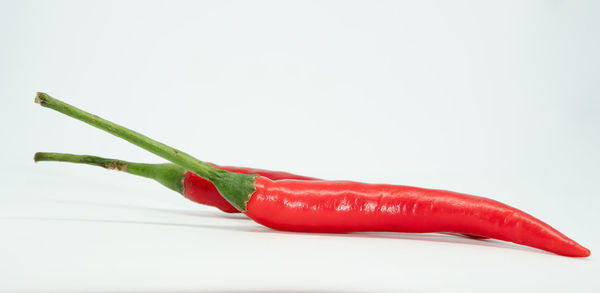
344, 206
202, 191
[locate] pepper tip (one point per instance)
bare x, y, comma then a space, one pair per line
586, 252
579, 251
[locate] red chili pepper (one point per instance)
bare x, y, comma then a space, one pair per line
190, 185
343, 206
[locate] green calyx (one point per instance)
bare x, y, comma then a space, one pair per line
169, 175
236, 188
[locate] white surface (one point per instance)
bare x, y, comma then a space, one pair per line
495, 99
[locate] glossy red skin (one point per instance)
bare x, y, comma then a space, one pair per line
343, 206
202, 191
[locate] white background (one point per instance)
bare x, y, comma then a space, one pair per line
494, 99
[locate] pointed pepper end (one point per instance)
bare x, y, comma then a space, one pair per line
578, 251
585, 252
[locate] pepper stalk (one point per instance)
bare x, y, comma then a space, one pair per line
169, 175
236, 188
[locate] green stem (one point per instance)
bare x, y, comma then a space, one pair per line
168, 175
234, 187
